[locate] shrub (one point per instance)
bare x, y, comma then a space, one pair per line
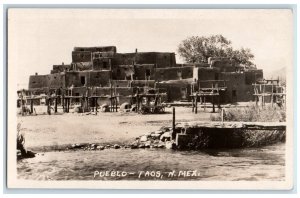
253, 114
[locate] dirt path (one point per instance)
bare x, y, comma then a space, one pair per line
55, 130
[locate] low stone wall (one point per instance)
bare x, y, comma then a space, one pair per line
199, 138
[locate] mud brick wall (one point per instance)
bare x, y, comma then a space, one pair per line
88, 78
53, 81
56, 81
203, 73
175, 91
97, 49
121, 83
159, 59
82, 66
123, 72
60, 68
165, 60
224, 64
142, 83
237, 90
38, 81
81, 56
123, 59
101, 63
173, 73
141, 71
252, 76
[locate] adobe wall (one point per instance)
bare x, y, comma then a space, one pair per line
81, 56
141, 72
53, 81
102, 63
38, 81
60, 68
165, 60
97, 49
123, 72
203, 73
237, 90
173, 73
253, 75
82, 66
160, 59
91, 78
175, 91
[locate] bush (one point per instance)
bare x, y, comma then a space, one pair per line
253, 114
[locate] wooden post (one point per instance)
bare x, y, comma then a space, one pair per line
49, 106
213, 103
173, 122
116, 100
81, 103
96, 105
193, 108
31, 106
137, 101
87, 103
55, 107
204, 98
63, 103
196, 105
68, 105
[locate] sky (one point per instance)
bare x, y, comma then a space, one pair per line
40, 38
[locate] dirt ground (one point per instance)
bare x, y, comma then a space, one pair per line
113, 127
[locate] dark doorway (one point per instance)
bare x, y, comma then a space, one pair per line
82, 80
234, 96
148, 72
104, 65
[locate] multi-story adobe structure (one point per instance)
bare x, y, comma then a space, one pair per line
98, 70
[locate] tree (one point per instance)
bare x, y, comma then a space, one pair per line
197, 49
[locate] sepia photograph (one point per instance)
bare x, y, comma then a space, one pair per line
150, 98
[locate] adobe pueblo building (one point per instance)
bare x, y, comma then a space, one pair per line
102, 75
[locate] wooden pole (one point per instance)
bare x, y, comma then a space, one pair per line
173, 122
31, 105
55, 107
219, 102
213, 103
87, 103
193, 107
68, 105
96, 105
49, 106
81, 103
63, 103
116, 100
204, 98
196, 105
137, 100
